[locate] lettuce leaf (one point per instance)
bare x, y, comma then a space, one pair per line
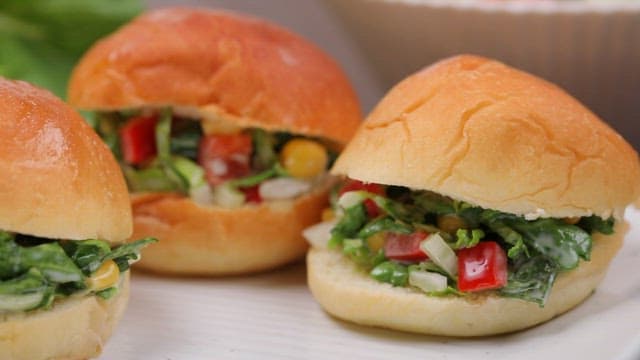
386, 224
467, 238
186, 139
151, 178
433, 203
404, 212
163, 134
562, 243
596, 223
35, 270
52, 261
28, 291
123, 255
361, 254
349, 225
531, 280
41, 40
264, 154
48, 258
107, 125
495, 221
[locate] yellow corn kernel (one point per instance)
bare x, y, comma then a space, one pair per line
572, 220
328, 214
303, 158
376, 241
451, 223
105, 277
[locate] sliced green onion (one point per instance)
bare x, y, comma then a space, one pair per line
163, 134
201, 195
148, 179
227, 196
428, 281
264, 153
189, 170
9, 302
275, 171
352, 243
440, 253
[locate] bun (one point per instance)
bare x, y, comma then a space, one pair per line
75, 328
348, 293
197, 240
479, 131
229, 68
219, 65
58, 179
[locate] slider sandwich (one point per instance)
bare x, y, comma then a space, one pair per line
225, 127
478, 199
64, 210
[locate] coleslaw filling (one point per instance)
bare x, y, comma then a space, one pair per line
223, 165
35, 272
445, 247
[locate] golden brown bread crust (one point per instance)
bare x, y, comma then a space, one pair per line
238, 67
480, 131
197, 240
74, 329
350, 294
59, 180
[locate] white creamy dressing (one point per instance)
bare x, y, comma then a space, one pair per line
549, 244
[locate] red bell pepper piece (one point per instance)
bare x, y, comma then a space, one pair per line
252, 194
355, 185
373, 210
482, 267
405, 247
225, 156
138, 140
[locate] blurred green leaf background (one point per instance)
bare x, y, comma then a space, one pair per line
41, 40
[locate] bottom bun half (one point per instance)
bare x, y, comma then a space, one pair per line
350, 294
208, 240
75, 328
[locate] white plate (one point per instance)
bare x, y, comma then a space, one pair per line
273, 316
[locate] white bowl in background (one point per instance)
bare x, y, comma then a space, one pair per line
591, 48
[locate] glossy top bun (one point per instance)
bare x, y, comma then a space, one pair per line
480, 131
220, 65
59, 180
